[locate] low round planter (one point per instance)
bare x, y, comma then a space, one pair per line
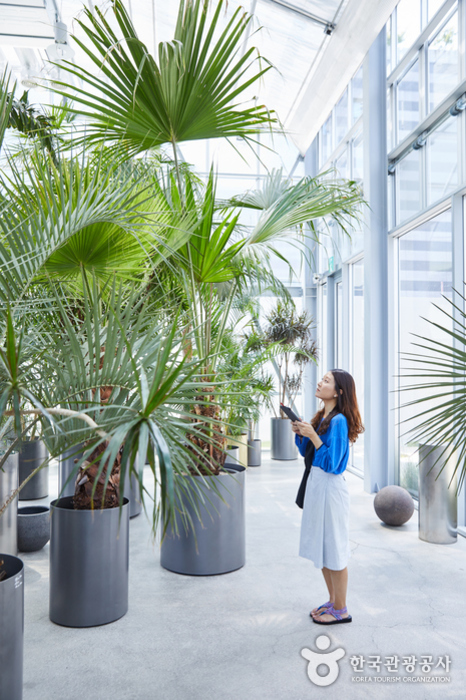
254, 453
232, 454
66, 463
11, 628
283, 440
33, 453
89, 561
33, 528
9, 481
221, 541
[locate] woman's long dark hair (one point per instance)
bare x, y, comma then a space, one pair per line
347, 403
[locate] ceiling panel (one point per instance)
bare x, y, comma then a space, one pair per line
19, 23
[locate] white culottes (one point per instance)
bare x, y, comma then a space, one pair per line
325, 520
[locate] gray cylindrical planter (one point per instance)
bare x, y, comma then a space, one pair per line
89, 559
283, 440
11, 628
33, 528
67, 462
254, 453
222, 541
437, 501
131, 491
232, 454
9, 481
31, 456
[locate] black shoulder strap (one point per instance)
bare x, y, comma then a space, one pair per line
308, 459
309, 454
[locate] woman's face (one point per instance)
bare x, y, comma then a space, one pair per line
326, 388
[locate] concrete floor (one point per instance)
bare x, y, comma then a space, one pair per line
239, 636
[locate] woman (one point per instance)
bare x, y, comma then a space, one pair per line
325, 521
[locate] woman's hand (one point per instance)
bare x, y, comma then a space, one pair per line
294, 428
304, 429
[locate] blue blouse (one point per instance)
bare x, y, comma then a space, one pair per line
333, 455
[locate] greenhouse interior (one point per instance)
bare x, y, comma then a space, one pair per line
232, 349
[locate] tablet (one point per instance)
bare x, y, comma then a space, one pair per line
289, 413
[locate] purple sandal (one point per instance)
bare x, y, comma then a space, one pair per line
337, 614
323, 608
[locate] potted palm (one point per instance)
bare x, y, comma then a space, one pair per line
293, 332
437, 420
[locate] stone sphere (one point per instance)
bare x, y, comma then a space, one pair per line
394, 505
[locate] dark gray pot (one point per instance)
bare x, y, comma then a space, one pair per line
33, 453
89, 560
221, 542
9, 481
131, 491
283, 444
254, 453
232, 454
33, 528
67, 462
11, 629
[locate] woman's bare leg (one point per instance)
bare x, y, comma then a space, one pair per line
331, 591
339, 586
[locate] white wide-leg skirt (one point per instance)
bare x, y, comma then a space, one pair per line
325, 521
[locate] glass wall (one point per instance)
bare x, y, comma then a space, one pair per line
357, 352
443, 62
424, 279
442, 160
426, 135
423, 125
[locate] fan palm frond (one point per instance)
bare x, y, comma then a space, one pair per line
190, 91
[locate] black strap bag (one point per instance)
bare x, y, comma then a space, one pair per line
308, 459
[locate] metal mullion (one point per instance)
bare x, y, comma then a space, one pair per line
462, 39
350, 316
423, 178
458, 275
424, 14
345, 278
461, 126
423, 83
394, 355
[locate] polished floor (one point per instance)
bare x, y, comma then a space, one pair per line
239, 636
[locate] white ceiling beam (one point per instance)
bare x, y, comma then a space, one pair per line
356, 30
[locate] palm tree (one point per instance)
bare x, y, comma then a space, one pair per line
438, 375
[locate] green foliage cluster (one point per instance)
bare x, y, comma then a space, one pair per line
292, 333
121, 279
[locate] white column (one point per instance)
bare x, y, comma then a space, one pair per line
376, 409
